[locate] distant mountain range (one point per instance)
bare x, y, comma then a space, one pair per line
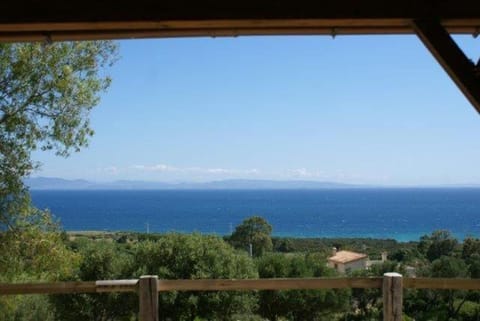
52, 183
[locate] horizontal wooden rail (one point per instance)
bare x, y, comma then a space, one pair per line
268, 284
107, 286
148, 287
47, 288
69, 287
441, 283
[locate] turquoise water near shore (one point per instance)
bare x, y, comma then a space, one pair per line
401, 214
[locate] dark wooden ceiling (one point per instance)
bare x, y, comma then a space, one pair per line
29, 20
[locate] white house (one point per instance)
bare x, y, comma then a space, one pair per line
346, 261
373, 262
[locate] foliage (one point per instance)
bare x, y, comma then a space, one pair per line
438, 244
299, 304
366, 304
471, 247
46, 94
372, 247
177, 256
405, 255
101, 260
474, 266
33, 253
26, 308
441, 304
256, 231
47, 91
448, 267
470, 311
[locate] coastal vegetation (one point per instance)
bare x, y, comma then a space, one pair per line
124, 255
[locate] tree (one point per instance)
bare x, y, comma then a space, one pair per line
34, 254
307, 305
46, 94
474, 266
273, 304
367, 303
438, 244
256, 231
471, 246
439, 305
101, 260
178, 256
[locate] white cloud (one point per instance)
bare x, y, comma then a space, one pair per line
155, 168
305, 173
218, 171
194, 170
340, 176
112, 170
230, 171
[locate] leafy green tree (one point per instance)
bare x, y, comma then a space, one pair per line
273, 304
442, 305
470, 246
283, 245
448, 267
474, 266
309, 305
46, 94
438, 244
35, 253
405, 255
101, 260
177, 256
367, 303
256, 231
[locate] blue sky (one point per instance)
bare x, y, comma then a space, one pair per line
356, 109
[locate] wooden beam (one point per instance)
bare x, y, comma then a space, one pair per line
268, 284
442, 283
235, 285
116, 286
47, 288
102, 19
461, 69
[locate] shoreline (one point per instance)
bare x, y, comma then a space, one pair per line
90, 233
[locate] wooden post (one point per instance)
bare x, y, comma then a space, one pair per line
148, 296
392, 297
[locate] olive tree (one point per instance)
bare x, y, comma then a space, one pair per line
305, 305
178, 256
46, 94
254, 231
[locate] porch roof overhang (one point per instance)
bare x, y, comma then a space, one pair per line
433, 21
31, 20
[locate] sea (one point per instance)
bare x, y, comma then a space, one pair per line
404, 214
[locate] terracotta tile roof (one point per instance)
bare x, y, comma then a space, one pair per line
346, 256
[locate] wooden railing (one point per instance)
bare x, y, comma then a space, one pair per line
148, 287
